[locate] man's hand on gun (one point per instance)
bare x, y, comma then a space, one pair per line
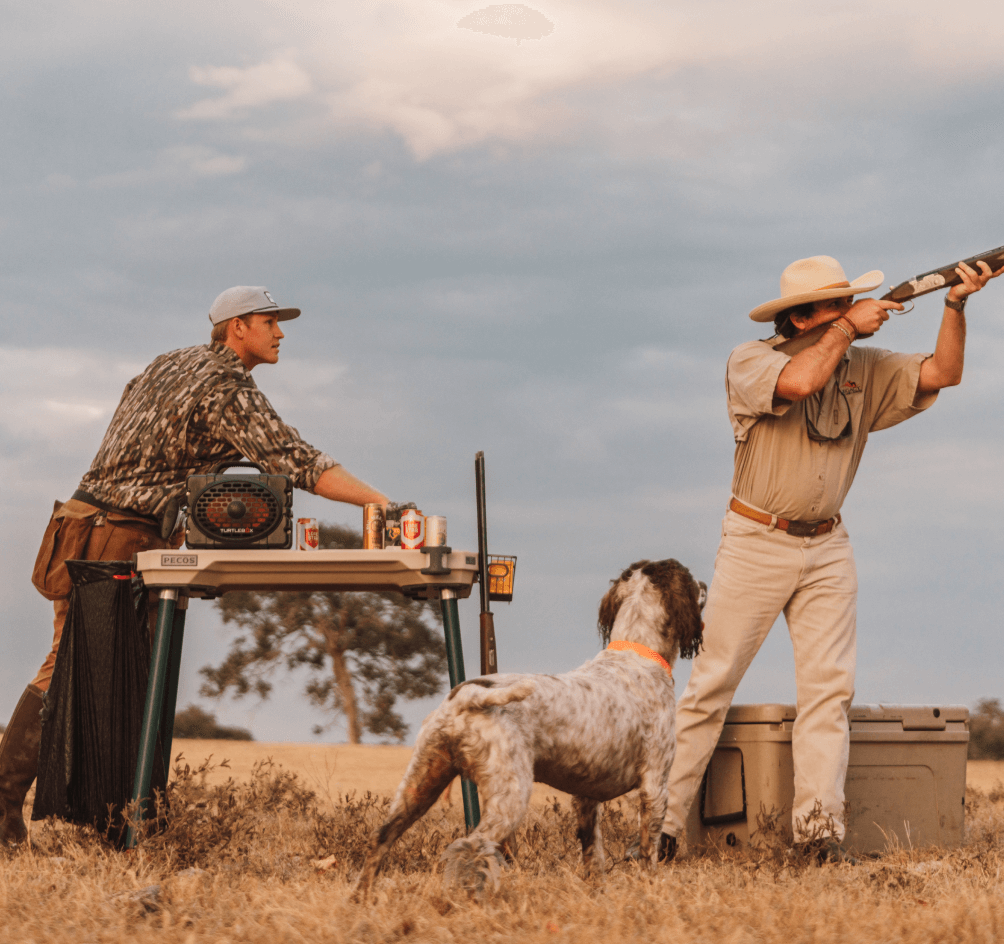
972, 281
868, 315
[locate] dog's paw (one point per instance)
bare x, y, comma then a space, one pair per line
667, 849
473, 865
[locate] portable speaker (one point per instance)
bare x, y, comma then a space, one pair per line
239, 510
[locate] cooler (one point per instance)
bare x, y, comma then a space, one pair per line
906, 778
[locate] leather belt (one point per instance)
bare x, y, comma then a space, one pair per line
791, 526
85, 497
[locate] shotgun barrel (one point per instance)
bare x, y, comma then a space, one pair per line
489, 654
943, 277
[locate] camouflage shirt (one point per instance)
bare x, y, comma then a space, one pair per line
189, 410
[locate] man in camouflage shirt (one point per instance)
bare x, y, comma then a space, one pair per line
187, 412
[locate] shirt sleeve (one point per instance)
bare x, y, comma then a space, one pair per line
251, 425
750, 380
893, 395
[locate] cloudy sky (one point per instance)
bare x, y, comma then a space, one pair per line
540, 247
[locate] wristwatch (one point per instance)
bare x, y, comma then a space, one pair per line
958, 306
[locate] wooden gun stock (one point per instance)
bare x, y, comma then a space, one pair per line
489, 657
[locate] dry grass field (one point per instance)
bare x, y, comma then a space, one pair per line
269, 852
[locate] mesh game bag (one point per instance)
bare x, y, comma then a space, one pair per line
93, 711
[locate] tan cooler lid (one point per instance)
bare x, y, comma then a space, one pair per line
760, 713
913, 717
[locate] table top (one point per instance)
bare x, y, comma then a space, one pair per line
207, 573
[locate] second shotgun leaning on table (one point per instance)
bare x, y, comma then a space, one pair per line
189, 410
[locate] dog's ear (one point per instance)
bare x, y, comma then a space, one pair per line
611, 602
681, 599
609, 607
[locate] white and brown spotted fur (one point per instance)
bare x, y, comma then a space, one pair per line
595, 733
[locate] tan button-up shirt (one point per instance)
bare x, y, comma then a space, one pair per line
779, 469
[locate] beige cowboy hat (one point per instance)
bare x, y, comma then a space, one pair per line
818, 277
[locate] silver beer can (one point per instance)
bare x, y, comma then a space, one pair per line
307, 535
373, 526
435, 531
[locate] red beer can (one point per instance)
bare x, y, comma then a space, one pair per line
307, 535
373, 526
412, 529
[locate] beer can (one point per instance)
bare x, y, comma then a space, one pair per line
307, 536
412, 529
435, 531
392, 534
373, 526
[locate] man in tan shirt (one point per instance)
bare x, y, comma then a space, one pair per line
802, 405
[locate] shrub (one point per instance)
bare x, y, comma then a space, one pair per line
986, 730
195, 723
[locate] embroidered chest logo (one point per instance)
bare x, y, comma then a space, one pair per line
850, 387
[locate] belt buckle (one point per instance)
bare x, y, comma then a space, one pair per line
804, 528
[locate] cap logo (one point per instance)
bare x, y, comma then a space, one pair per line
269, 297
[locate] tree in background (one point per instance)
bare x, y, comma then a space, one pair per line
986, 730
193, 722
365, 650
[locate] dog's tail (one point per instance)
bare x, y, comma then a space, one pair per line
474, 865
476, 695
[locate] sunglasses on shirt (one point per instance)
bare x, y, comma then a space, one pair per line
845, 432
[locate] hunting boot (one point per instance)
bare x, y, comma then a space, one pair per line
18, 765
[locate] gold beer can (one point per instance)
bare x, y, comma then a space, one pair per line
373, 526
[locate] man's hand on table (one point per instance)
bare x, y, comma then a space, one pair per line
338, 484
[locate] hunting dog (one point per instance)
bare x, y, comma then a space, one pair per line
596, 732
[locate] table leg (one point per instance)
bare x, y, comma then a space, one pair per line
154, 705
455, 663
171, 683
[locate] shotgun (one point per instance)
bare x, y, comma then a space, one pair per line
942, 278
489, 657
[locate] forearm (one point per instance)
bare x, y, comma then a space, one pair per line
944, 368
810, 369
338, 484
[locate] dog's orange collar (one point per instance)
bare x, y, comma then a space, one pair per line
643, 651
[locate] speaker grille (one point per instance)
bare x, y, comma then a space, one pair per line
237, 511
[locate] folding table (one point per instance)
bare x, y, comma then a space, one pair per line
428, 574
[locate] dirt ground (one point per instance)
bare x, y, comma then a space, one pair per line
334, 770
328, 770
275, 855
985, 776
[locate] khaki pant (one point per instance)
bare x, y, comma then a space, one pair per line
112, 538
760, 572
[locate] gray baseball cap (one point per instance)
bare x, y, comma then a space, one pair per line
245, 300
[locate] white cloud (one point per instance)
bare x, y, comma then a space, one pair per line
278, 80
178, 163
405, 66
59, 398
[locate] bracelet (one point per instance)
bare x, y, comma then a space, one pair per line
836, 324
959, 306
